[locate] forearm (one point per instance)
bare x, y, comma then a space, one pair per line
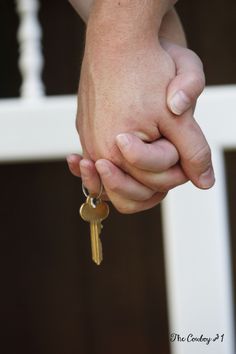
171, 27
126, 21
145, 13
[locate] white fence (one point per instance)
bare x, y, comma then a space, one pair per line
197, 240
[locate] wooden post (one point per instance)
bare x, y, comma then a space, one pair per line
30, 54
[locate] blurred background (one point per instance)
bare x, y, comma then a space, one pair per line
53, 299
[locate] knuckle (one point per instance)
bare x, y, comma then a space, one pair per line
113, 187
158, 183
113, 184
156, 200
163, 187
202, 157
195, 58
166, 187
196, 81
165, 181
134, 159
113, 154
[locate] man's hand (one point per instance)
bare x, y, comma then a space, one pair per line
124, 90
158, 158
127, 194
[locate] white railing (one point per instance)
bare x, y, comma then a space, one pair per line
197, 241
30, 51
34, 126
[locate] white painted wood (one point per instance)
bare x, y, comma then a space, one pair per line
195, 222
38, 129
196, 240
30, 53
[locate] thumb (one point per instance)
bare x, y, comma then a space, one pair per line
189, 82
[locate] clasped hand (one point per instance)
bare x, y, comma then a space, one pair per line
137, 138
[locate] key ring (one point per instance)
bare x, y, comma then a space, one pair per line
86, 192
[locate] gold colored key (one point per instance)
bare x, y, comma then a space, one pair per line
94, 211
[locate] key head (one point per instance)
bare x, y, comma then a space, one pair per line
94, 211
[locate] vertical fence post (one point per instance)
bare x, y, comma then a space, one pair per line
30, 53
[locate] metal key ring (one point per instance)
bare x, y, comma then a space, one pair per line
86, 192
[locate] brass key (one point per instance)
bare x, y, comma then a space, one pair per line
94, 211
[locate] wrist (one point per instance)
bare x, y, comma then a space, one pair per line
125, 22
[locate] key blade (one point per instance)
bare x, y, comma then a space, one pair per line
96, 245
93, 242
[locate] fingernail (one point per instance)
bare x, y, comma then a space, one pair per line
179, 103
103, 168
123, 140
207, 179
